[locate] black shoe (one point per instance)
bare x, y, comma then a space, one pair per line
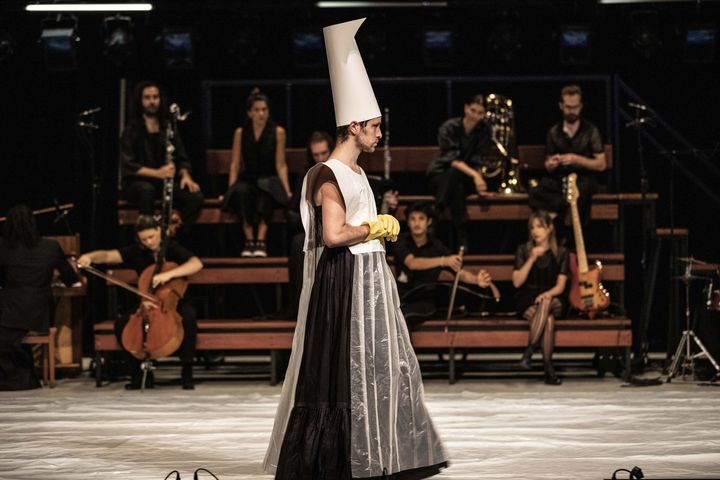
136, 381
260, 249
526, 362
550, 377
187, 378
249, 248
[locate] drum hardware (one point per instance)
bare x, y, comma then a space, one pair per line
684, 349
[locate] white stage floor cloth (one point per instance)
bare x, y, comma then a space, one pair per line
516, 429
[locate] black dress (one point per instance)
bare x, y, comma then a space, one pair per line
26, 303
321, 438
258, 189
542, 276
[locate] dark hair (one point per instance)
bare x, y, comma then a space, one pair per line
477, 98
546, 221
20, 227
136, 108
343, 133
318, 136
146, 222
570, 90
420, 207
256, 96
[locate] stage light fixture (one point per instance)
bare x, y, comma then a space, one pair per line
178, 49
699, 43
575, 45
438, 49
59, 42
381, 4
505, 41
118, 38
7, 45
645, 36
88, 7
245, 44
307, 49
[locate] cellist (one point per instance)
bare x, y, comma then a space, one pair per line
138, 257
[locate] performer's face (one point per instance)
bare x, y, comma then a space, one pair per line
320, 151
259, 112
418, 223
369, 135
540, 232
571, 106
150, 239
474, 113
151, 101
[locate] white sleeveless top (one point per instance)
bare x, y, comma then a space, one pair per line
359, 203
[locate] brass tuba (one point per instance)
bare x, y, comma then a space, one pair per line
500, 117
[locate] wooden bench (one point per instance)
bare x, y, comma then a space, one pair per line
246, 335
47, 341
404, 159
491, 332
410, 160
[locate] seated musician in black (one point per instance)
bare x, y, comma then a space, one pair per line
465, 145
140, 256
419, 259
143, 157
573, 145
27, 263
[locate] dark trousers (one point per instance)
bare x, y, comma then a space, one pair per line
550, 195
17, 369
186, 351
451, 189
249, 202
144, 192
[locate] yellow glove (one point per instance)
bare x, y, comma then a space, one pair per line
377, 229
392, 226
386, 226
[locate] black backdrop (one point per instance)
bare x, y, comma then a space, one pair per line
43, 159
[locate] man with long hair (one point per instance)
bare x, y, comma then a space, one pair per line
27, 263
143, 155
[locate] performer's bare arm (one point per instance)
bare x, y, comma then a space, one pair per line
337, 233
111, 257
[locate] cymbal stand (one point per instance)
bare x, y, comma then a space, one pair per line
684, 350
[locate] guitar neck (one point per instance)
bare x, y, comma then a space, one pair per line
579, 240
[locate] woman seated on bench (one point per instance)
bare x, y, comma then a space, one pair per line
27, 262
258, 180
540, 275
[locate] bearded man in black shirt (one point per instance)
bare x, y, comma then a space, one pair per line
140, 256
143, 153
573, 145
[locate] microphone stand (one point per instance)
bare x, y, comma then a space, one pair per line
637, 124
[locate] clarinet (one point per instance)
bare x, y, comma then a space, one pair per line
168, 183
384, 207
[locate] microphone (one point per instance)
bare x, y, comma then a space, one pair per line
638, 106
641, 121
90, 111
175, 110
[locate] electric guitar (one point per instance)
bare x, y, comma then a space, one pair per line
587, 294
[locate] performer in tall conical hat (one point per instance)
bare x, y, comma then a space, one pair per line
352, 404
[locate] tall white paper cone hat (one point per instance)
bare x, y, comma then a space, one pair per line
353, 95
